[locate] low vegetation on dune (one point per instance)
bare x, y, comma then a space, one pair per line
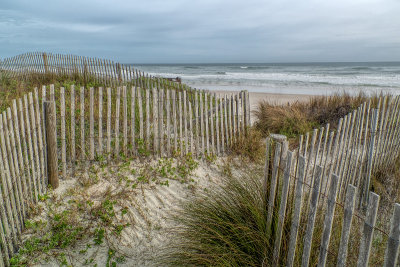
223, 226
88, 220
12, 88
301, 117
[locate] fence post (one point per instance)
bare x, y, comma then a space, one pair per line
273, 185
51, 139
45, 63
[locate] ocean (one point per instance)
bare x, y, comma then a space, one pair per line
286, 78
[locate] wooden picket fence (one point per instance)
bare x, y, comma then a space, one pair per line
310, 228
366, 139
324, 185
132, 121
22, 169
101, 71
105, 124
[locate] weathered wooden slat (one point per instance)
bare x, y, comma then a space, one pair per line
133, 119
294, 229
141, 119
62, 121
273, 184
370, 155
242, 113
35, 142
229, 114
168, 121
180, 114
73, 155
109, 122
117, 115
161, 121
174, 120
148, 119
212, 131
100, 136
218, 147
191, 129
368, 230
197, 126
35, 177
227, 140
156, 144
125, 120
206, 119
82, 115
222, 126
282, 206
202, 124
266, 167
330, 211
380, 127
346, 225
91, 123
354, 166
235, 118
364, 147
40, 128
392, 248
342, 169
311, 218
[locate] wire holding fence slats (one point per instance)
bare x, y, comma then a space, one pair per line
301, 237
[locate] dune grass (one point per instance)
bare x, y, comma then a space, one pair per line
301, 117
223, 226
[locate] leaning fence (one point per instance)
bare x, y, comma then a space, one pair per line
366, 140
319, 205
104, 124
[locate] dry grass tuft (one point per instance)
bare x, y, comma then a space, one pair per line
289, 120
301, 117
250, 147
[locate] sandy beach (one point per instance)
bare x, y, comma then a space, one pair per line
281, 99
256, 97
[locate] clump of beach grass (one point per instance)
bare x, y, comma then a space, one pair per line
250, 147
223, 226
301, 117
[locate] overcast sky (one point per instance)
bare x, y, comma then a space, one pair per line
200, 31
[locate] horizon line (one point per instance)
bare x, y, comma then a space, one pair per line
237, 63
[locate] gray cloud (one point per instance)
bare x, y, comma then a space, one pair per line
204, 31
